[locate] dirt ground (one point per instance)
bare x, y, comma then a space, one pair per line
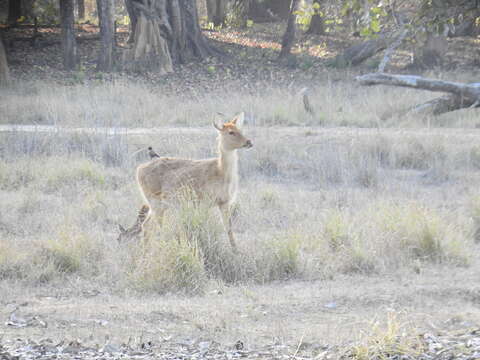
312, 315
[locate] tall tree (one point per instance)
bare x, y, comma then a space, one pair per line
105, 59
317, 25
4, 73
167, 31
69, 43
81, 9
289, 37
14, 11
133, 19
216, 11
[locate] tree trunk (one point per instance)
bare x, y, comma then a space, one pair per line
14, 11
81, 9
105, 60
289, 37
460, 95
133, 20
281, 8
99, 13
167, 31
259, 13
317, 25
216, 11
4, 73
69, 43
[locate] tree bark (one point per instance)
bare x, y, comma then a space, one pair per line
133, 20
81, 9
105, 60
14, 11
317, 25
69, 43
4, 72
167, 32
289, 37
99, 13
216, 11
460, 95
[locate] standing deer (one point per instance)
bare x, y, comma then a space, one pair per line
216, 179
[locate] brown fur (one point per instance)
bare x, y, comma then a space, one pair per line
161, 179
136, 228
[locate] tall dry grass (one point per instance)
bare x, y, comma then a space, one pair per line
336, 98
313, 203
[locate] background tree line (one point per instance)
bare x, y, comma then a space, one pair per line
166, 32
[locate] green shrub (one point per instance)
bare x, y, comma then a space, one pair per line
280, 259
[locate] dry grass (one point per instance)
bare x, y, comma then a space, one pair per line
388, 340
123, 103
332, 223
331, 202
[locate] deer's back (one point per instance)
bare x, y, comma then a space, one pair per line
164, 176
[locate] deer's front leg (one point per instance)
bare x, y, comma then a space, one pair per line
227, 223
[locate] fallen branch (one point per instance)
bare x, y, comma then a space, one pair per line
461, 95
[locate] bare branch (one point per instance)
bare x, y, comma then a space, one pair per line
471, 91
390, 50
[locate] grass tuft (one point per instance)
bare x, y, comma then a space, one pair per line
387, 341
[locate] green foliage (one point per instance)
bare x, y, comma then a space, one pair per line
46, 11
370, 22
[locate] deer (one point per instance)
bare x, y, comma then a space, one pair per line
216, 179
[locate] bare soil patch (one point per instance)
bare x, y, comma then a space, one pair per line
290, 319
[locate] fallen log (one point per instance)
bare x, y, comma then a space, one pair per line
460, 95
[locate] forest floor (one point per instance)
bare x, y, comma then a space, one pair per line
325, 184
250, 61
434, 314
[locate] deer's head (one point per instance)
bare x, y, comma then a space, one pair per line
231, 136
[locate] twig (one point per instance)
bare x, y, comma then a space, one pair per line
298, 347
475, 104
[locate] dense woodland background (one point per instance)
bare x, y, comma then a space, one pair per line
161, 35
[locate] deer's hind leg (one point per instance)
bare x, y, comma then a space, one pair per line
154, 218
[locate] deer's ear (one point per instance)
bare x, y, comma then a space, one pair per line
239, 119
217, 125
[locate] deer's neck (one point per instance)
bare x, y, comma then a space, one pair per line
228, 163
